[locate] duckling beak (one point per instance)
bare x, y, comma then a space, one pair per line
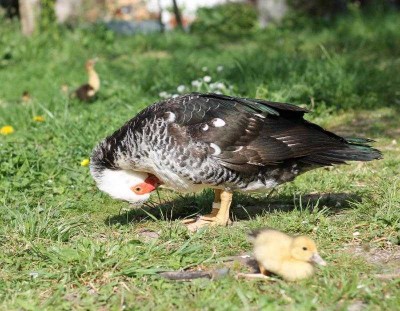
316, 258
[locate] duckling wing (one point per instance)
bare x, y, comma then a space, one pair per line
85, 92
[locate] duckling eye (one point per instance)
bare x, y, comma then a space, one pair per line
304, 248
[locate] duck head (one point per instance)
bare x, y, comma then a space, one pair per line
132, 186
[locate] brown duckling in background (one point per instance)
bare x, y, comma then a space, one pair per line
26, 97
88, 91
291, 257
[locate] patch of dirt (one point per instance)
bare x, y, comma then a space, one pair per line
378, 255
386, 259
148, 235
240, 262
357, 306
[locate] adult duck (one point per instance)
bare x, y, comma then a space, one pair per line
198, 141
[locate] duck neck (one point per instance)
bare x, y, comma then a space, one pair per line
94, 80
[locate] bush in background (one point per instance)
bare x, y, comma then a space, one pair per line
231, 20
330, 8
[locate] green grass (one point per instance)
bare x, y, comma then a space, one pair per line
65, 245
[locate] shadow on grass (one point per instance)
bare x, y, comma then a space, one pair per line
244, 207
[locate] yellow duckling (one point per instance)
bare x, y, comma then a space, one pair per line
292, 258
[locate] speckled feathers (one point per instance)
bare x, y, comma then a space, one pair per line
216, 140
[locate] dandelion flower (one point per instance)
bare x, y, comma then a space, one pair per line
38, 118
207, 79
220, 68
85, 162
181, 88
204, 69
6, 130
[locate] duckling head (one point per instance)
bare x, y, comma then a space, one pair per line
90, 63
304, 249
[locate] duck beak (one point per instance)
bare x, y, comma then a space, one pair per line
316, 258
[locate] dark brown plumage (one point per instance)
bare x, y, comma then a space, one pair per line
87, 92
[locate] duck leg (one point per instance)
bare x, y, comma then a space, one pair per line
219, 215
216, 206
263, 270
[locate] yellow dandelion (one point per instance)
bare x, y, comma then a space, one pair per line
6, 130
85, 162
38, 118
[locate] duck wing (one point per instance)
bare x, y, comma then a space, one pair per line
246, 134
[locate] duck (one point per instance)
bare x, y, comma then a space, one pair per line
26, 96
290, 257
197, 141
87, 92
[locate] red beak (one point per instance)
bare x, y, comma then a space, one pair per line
153, 182
150, 184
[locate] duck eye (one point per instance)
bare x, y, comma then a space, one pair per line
137, 190
304, 248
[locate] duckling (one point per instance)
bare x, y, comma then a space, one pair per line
87, 92
26, 97
291, 257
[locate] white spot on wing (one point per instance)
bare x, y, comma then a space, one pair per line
217, 122
259, 115
238, 149
204, 127
171, 117
217, 149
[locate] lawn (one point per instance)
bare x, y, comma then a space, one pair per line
64, 245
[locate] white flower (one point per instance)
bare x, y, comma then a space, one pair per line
33, 275
196, 83
220, 86
181, 88
207, 79
204, 69
220, 68
356, 233
163, 94
175, 95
